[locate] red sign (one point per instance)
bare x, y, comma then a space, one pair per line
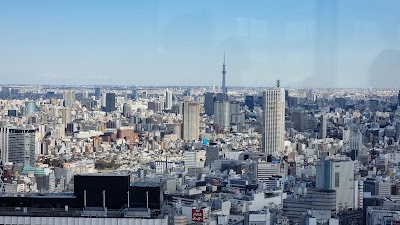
197, 215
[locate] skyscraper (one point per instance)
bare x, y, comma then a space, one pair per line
339, 176
249, 101
97, 92
69, 99
110, 102
66, 116
85, 94
222, 116
17, 145
356, 144
209, 99
273, 120
398, 99
30, 108
224, 89
299, 117
126, 110
168, 99
323, 126
191, 121
135, 94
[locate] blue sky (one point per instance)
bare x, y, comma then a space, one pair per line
170, 42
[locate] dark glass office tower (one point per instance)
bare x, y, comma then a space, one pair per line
110, 102
209, 99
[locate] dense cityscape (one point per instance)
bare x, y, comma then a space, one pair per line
199, 155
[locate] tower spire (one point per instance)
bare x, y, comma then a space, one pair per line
224, 89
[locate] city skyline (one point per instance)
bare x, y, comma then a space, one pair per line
180, 112
181, 43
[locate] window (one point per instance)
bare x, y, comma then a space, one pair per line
337, 179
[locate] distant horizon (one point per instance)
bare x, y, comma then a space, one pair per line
189, 86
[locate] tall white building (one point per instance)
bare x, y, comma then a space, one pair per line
191, 121
17, 145
85, 94
168, 100
356, 143
339, 176
273, 120
103, 100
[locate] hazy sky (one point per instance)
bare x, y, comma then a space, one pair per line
346, 43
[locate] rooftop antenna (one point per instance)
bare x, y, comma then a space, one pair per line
278, 83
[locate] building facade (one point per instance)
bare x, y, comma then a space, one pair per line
338, 176
191, 121
273, 120
17, 145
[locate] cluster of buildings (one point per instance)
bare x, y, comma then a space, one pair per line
199, 155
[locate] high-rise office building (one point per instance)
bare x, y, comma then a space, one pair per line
273, 120
323, 126
17, 145
221, 97
299, 117
87, 102
356, 144
397, 136
126, 110
168, 100
156, 106
374, 105
234, 107
398, 99
110, 102
224, 88
222, 116
30, 108
135, 94
341, 102
249, 101
66, 116
209, 99
85, 94
69, 99
191, 121
309, 95
234, 110
339, 176
103, 101
97, 92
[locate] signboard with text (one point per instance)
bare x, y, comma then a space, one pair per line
197, 215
